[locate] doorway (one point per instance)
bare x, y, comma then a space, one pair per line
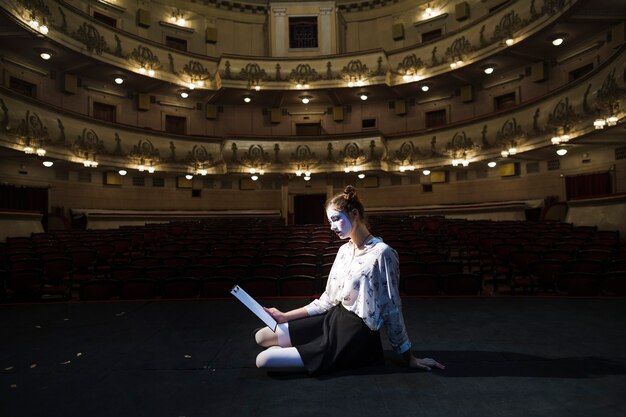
309, 208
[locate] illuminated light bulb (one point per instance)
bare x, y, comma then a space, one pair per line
29, 150
305, 86
402, 169
406, 77
151, 73
44, 29
411, 167
33, 24
189, 176
512, 151
416, 77
200, 83
465, 162
557, 41
355, 169
491, 164
599, 123
202, 172
425, 88
141, 168
455, 162
181, 21
509, 41
350, 84
47, 164
488, 70
305, 100
142, 70
45, 56
307, 178
298, 86
151, 170
252, 170
611, 121
363, 97
86, 163
184, 94
247, 99
122, 172
119, 80
561, 151
555, 140
254, 178
361, 176
346, 170
257, 88
504, 154
261, 172
41, 152
298, 173
307, 173
565, 138
453, 65
191, 86
94, 164
359, 83
426, 172
459, 62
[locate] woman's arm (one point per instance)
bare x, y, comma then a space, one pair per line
281, 317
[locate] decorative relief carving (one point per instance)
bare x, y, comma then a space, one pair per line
510, 135
88, 143
196, 72
256, 158
32, 130
303, 74
563, 115
410, 64
303, 158
145, 150
510, 23
93, 40
199, 157
460, 146
459, 47
143, 57
252, 73
355, 70
352, 155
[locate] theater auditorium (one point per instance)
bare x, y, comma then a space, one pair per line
156, 153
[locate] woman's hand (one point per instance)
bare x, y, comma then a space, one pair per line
276, 314
424, 363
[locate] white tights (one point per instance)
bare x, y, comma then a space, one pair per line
279, 355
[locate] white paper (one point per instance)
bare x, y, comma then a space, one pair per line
254, 306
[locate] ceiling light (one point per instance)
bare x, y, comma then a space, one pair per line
558, 39
512, 151
151, 170
509, 41
122, 172
119, 80
29, 150
363, 96
47, 164
45, 55
492, 164
426, 172
189, 176
43, 29
151, 73
350, 84
561, 151
254, 177
184, 94
305, 99
361, 176
504, 153
247, 99
425, 88
488, 69
191, 86
307, 178
257, 88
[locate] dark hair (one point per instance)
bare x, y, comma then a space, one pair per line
347, 201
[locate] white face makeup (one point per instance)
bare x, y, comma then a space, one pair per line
339, 223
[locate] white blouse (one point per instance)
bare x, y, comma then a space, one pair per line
366, 283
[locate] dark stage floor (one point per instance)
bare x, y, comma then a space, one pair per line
505, 356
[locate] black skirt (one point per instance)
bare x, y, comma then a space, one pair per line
334, 341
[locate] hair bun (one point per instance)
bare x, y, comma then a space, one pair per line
349, 192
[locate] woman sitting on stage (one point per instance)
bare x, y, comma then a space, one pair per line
340, 330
